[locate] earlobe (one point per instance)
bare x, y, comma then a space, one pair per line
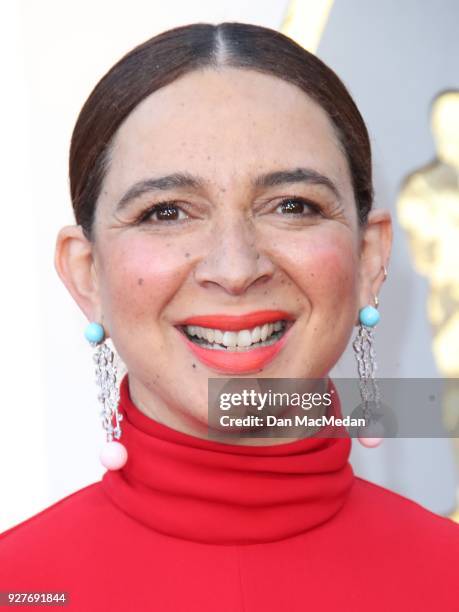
374, 255
74, 263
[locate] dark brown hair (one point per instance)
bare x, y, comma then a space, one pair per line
164, 58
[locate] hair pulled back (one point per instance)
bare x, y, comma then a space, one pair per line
176, 52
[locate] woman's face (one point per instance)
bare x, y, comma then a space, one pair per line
261, 216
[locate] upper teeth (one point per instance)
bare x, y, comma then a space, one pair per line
245, 337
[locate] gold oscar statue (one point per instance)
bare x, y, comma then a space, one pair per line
428, 210
305, 21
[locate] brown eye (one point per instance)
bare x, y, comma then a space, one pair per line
165, 212
298, 206
168, 212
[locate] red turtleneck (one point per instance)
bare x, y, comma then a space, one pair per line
192, 524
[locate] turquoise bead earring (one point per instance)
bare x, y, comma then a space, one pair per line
369, 316
94, 333
363, 346
114, 454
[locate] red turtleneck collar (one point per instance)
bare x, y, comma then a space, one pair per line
207, 491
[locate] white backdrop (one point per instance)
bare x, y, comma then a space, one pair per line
52, 54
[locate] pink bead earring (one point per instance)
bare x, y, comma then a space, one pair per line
113, 454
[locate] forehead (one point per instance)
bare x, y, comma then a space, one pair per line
227, 125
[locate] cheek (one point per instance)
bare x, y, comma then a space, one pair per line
324, 267
334, 271
139, 277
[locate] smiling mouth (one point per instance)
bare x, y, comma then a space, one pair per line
236, 341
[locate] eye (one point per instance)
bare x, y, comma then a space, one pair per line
296, 206
164, 211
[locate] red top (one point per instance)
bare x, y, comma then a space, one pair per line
192, 524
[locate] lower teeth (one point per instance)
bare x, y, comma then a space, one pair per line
239, 349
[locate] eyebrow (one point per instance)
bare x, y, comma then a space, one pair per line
185, 180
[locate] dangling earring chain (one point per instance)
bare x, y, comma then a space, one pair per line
366, 363
114, 454
109, 396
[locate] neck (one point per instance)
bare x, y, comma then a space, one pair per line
201, 490
182, 419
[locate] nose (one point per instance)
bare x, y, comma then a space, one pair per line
234, 259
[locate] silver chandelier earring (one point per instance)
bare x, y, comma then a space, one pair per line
113, 454
363, 346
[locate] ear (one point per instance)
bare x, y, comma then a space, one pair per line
74, 263
375, 248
